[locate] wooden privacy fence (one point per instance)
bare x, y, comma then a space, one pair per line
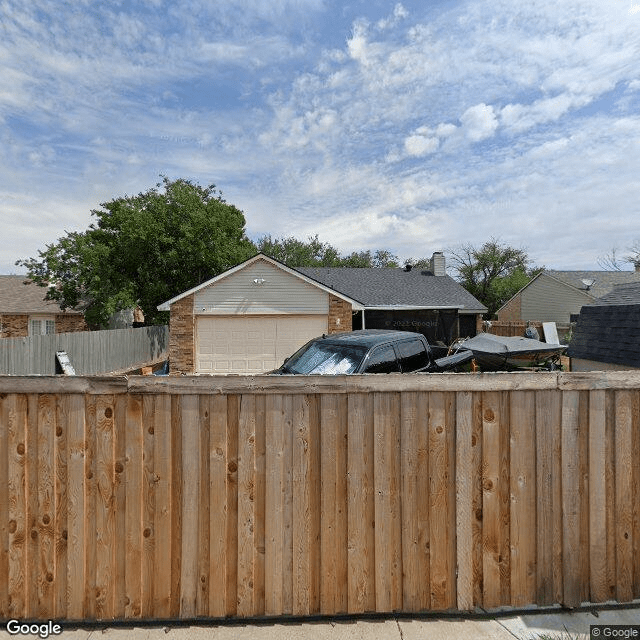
269, 496
90, 352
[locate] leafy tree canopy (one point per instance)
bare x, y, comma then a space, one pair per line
493, 272
143, 250
314, 253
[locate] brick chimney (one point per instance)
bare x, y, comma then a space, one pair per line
437, 264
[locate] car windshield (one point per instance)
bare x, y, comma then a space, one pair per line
325, 358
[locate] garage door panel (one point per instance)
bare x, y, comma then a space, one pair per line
226, 344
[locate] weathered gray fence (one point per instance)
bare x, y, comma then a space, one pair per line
90, 352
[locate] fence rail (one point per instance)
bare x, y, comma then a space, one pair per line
90, 352
273, 496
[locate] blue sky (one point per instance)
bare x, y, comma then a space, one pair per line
413, 126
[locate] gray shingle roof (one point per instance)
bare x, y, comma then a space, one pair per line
622, 294
19, 295
603, 281
608, 333
394, 287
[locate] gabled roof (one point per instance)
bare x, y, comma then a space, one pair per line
603, 281
375, 287
18, 295
165, 306
369, 287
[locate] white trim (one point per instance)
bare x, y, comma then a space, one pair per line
166, 306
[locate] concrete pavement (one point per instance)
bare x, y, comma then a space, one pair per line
506, 625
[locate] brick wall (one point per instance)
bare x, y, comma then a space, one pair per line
14, 326
17, 325
70, 323
512, 311
182, 337
340, 315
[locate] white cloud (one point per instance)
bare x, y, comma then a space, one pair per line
479, 122
417, 145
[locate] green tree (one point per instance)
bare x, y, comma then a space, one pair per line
314, 253
493, 272
143, 250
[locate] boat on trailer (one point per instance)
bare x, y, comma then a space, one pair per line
499, 353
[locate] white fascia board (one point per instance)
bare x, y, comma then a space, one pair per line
407, 307
166, 306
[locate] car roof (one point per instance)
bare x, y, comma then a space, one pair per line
369, 337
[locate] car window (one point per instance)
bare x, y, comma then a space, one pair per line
382, 360
325, 358
413, 355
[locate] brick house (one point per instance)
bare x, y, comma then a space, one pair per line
24, 311
249, 318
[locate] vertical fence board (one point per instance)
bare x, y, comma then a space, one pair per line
233, 414
547, 416
121, 403
246, 504
476, 493
218, 509
442, 500
164, 507
176, 505
4, 507
635, 495
60, 522
204, 506
624, 494
464, 499
76, 510
583, 457
329, 538
388, 535
598, 497
361, 541
259, 531
16, 428
133, 472
496, 486
90, 508
571, 499
287, 510
274, 505
523, 498
414, 451
306, 505
189, 420
33, 576
149, 506
105, 508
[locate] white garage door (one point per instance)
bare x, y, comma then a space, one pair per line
251, 344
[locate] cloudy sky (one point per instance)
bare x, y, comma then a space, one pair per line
414, 125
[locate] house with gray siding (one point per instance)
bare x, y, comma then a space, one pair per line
251, 317
554, 296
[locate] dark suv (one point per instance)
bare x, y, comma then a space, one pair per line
368, 351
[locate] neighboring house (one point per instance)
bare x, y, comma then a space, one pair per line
249, 318
554, 296
25, 312
607, 333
